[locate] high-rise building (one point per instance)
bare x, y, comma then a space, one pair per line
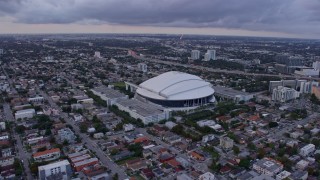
212, 54
284, 94
1, 51
195, 54
58, 170
143, 67
207, 57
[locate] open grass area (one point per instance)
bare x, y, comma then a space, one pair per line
119, 84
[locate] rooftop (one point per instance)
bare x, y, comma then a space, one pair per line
141, 108
108, 92
55, 150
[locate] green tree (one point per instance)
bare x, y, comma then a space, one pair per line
236, 150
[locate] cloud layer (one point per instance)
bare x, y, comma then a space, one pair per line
287, 16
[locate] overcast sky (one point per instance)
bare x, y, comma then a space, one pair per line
284, 18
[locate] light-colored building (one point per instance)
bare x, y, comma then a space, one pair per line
3, 125
195, 54
306, 71
302, 164
58, 170
307, 150
306, 87
66, 135
226, 142
142, 67
97, 54
207, 138
203, 123
284, 94
283, 175
111, 96
26, 113
36, 99
212, 54
47, 155
316, 91
316, 65
1, 51
170, 124
231, 94
128, 127
148, 113
207, 176
268, 166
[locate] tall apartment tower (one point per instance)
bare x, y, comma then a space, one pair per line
195, 54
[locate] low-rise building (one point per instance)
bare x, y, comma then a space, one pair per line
47, 155
307, 150
268, 166
26, 113
57, 170
128, 127
207, 176
111, 96
283, 175
226, 142
87, 162
148, 113
302, 165
66, 135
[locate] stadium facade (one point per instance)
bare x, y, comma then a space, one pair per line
176, 90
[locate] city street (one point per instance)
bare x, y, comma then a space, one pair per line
87, 141
22, 155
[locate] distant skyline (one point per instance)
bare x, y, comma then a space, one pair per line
267, 18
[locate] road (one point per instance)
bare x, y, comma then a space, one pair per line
19, 146
87, 141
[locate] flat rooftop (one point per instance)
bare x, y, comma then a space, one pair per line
228, 91
144, 109
108, 92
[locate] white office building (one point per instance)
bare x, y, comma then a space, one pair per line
143, 67
195, 54
307, 150
26, 113
58, 170
284, 94
1, 51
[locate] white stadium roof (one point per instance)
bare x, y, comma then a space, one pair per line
175, 85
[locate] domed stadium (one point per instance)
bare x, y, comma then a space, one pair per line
177, 90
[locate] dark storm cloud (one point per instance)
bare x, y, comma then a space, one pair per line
293, 16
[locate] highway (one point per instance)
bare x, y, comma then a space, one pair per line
158, 61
